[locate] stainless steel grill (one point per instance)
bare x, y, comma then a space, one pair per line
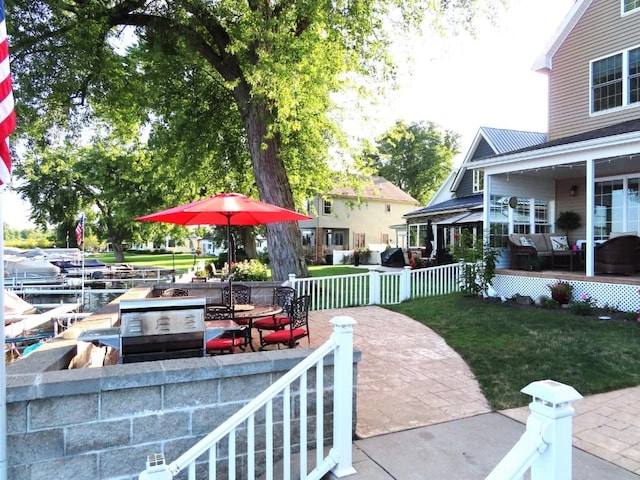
162, 328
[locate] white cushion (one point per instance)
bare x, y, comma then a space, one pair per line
559, 242
526, 242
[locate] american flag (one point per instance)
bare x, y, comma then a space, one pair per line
7, 112
79, 229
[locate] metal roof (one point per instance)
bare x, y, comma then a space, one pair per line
504, 141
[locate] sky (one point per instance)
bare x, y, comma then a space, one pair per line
461, 83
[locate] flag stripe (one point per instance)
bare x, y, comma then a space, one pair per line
79, 232
7, 110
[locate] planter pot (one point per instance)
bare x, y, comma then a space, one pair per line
561, 297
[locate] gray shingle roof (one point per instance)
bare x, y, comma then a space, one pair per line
460, 203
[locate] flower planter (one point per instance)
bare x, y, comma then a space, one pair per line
561, 297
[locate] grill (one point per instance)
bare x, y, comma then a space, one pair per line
162, 328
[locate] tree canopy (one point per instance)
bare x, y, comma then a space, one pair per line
238, 92
417, 157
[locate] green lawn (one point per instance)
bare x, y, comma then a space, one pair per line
184, 261
508, 347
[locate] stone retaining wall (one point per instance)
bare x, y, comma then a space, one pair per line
101, 423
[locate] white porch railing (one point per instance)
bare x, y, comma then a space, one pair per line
243, 424
377, 288
545, 446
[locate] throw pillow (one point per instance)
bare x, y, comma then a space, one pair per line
526, 242
559, 242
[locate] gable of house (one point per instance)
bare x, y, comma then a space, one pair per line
488, 143
593, 63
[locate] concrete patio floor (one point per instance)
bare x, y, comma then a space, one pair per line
418, 381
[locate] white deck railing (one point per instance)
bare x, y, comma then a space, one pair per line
377, 288
545, 446
338, 460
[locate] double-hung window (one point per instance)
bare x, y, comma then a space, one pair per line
630, 5
478, 181
615, 81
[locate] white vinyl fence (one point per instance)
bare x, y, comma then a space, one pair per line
376, 287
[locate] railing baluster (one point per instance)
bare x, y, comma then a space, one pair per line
269, 440
232, 454
251, 447
303, 423
319, 411
213, 467
286, 432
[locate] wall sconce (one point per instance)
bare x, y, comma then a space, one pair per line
573, 191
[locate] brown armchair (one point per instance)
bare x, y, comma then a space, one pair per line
618, 255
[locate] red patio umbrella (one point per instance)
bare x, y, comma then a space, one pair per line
225, 209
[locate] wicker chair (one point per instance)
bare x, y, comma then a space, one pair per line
618, 255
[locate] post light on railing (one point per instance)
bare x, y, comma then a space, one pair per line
551, 409
545, 446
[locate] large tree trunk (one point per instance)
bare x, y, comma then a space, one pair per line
284, 242
249, 242
118, 251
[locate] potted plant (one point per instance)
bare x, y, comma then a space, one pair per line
568, 221
561, 292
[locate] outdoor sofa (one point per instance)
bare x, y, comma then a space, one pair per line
537, 250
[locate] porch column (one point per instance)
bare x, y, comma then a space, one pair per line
486, 205
590, 210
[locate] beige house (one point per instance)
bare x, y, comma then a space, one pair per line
347, 220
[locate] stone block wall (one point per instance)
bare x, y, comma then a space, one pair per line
101, 423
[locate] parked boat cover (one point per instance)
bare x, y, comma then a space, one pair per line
22, 266
14, 305
392, 257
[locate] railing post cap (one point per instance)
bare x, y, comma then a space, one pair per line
551, 393
343, 321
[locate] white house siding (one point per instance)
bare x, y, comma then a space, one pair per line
600, 32
524, 186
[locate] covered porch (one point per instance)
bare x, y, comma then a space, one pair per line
596, 175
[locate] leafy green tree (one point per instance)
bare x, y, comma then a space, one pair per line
110, 184
269, 68
416, 157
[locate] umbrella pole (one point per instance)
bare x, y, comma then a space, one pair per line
229, 260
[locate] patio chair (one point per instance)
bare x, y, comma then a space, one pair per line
618, 255
241, 294
296, 329
283, 297
230, 339
174, 292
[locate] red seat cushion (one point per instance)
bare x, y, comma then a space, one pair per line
285, 336
269, 323
223, 343
241, 321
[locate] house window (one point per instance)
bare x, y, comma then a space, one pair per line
387, 207
615, 81
385, 239
478, 181
499, 226
634, 75
630, 5
326, 207
359, 240
606, 81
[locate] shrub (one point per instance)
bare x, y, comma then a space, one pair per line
249, 271
585, 306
